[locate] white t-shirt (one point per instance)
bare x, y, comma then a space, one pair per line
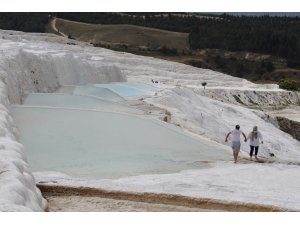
255, 141
235, 135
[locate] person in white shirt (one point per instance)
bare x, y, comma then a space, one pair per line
255, 138
235, 141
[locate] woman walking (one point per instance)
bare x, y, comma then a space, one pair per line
255, 138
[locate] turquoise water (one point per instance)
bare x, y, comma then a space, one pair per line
90, 144
89, 90
103, 93
130, 88
77, 101
112, 91
90, 132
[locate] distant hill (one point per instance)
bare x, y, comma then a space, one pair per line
210, 47
131, 35
179, 22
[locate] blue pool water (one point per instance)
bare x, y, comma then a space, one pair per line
90, 132
77, 102
111, 91
128, 89
92, 144
103, 93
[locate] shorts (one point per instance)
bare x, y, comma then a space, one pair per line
236, 145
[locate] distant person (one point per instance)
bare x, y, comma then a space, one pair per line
154, 81
235, 141
255, 137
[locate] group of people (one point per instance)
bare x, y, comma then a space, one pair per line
254, 136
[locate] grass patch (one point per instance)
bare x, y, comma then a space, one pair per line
129, 35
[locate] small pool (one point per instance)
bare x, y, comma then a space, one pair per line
92, 91
130, 88
112, 91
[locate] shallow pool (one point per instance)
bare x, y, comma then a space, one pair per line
90, 90
112, 91
130, 88
90, 144
77, 102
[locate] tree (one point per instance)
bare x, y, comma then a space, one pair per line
204, 84
269, 66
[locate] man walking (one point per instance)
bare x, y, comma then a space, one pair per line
236, 141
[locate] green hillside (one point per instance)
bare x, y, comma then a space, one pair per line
131, 35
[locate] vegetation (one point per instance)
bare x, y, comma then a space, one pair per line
277, 36
125, 36
27, 22
168, 51
165, 21
288, 84
293, 64
253, 70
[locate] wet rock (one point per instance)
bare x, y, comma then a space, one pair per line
289, 126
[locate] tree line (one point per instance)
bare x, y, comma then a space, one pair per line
27, 22
278, 36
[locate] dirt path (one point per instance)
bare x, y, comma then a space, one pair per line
97, 204
67, 198
53, 27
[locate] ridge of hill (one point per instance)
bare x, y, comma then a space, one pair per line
128, 35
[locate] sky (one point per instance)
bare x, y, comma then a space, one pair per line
150, 6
